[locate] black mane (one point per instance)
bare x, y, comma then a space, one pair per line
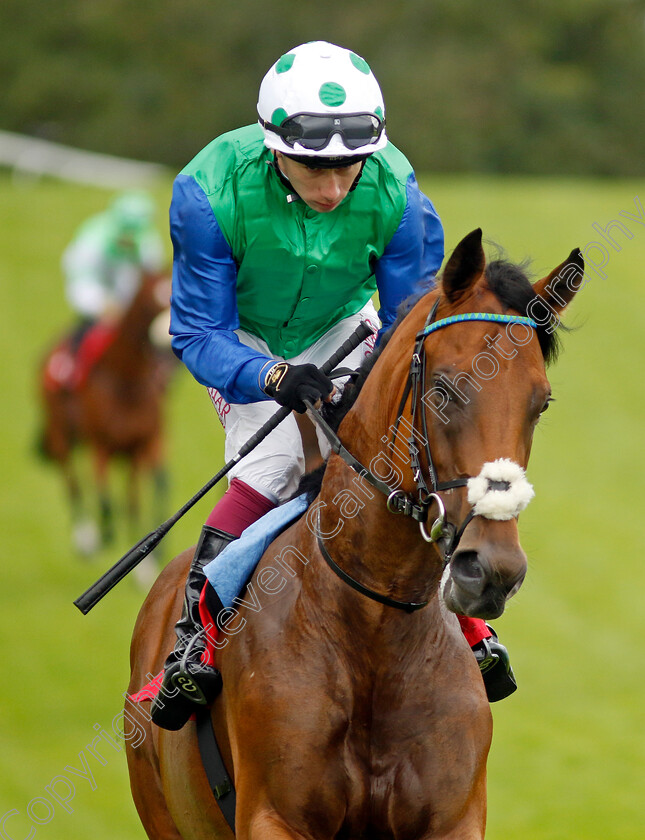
512, 287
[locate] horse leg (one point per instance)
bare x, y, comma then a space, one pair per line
153, 463
85, 535
147, 570
472, 826
133, 507
159, 479
161, 488
57, 442
106, 511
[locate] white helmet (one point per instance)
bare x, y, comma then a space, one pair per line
133, 211
320, 100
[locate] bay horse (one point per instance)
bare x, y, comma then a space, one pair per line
342, 716
115, 411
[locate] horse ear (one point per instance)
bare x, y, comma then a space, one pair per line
559, 287
465, 266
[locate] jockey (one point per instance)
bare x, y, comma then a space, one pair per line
109, 254
282, 233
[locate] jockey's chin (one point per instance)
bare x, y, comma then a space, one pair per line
323, 207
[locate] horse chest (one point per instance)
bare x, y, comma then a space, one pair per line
416, 775
372, 742
377, 767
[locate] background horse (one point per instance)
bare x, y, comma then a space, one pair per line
341, 716
116, 411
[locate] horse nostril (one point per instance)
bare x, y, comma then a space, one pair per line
468, 572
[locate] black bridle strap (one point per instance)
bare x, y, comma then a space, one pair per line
416, 380
398, 501
417, 348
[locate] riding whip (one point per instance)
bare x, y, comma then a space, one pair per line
136, 554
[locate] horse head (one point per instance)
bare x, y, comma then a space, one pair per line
469, 363
486, 391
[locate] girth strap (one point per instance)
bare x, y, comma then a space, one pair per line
219, 780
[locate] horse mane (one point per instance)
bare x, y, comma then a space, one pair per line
508, 281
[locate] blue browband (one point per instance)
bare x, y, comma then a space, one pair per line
480, 316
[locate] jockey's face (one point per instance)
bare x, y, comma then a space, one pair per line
321, 189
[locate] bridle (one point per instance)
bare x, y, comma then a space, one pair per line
427, 489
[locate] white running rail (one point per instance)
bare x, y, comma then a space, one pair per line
33, 156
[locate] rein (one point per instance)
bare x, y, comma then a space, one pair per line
407, 606
398, 501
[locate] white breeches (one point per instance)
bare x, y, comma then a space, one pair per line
277, 464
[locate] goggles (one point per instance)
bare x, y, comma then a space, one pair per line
314, 131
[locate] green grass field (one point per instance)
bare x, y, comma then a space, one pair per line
568, 753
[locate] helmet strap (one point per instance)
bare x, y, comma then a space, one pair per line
273, 163
358, 177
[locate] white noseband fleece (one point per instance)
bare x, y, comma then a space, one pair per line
500, 491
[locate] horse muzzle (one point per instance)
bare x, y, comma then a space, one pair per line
479, 581
485, 564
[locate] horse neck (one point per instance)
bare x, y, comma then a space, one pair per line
131, 346
384, 550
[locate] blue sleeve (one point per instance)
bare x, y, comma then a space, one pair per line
412, 257
204, 301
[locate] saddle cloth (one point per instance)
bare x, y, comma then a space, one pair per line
67, 370
231, 570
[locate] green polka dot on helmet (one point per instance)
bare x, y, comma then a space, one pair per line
279, 116
285, 62
360, 63
332, 94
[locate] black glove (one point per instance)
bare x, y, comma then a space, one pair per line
291, 384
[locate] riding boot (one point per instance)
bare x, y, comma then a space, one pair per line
495, 666
187, 682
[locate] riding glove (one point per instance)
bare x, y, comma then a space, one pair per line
291, 384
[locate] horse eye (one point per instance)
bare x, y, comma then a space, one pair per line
442, 391
547, 403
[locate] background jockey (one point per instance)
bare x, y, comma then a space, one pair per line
282, 233
105, 261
